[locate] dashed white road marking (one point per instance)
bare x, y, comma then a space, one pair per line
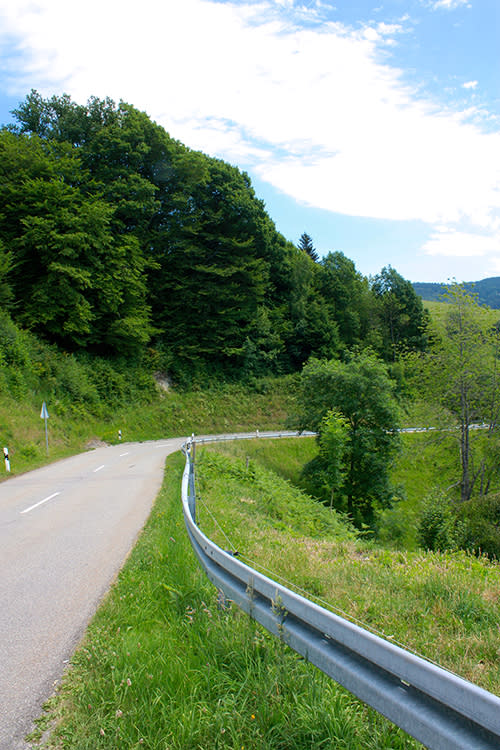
99, 468
32, 507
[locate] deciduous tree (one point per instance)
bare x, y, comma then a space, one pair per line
75, 281
362, 393
5, 288
401, 311
463, 376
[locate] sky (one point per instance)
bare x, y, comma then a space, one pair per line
372, 125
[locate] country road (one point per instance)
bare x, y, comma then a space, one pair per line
65, 531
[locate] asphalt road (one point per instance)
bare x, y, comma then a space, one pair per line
65, 531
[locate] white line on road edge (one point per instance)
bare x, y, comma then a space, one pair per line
99, 468
32, 507
124, 454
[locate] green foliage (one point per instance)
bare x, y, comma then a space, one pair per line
272, 497
444, 605
404, 320
14, 343
480, 525
437, 525
425, 466
327, 472
347, 297
312, 330
33, 369
285, 457
90, 397
5, 266
215, 274
361, 391
74, 280
114, 237
461, 375
306, 245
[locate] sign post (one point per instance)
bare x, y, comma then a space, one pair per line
6, 456
44, 414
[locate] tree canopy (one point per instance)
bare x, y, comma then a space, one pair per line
352, 406
404, 321
462, 377
116, 238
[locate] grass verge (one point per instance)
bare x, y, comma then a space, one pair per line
161, 667
444, 606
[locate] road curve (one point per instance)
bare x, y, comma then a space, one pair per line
65, 531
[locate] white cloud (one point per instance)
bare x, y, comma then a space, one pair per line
447, 4
451, 243
316, 111
470, 85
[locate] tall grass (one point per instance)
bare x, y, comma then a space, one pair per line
444, 606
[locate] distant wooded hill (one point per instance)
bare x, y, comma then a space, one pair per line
487, 290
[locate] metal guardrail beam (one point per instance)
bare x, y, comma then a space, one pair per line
436, 707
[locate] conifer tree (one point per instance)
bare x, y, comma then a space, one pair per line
306, 244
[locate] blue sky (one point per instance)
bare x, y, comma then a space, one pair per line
372, 126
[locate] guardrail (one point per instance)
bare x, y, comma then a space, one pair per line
436, 707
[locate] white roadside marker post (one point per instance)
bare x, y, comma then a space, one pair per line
6, 456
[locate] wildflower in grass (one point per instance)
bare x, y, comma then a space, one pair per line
206, 609
119, 714
129, 681
101, 732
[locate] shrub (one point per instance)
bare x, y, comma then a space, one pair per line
437, 526
480, 525
14, 349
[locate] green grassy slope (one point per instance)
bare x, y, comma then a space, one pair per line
90, 399
444, 606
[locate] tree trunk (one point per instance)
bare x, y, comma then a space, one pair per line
465, 485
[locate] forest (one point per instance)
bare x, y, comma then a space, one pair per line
117, 240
